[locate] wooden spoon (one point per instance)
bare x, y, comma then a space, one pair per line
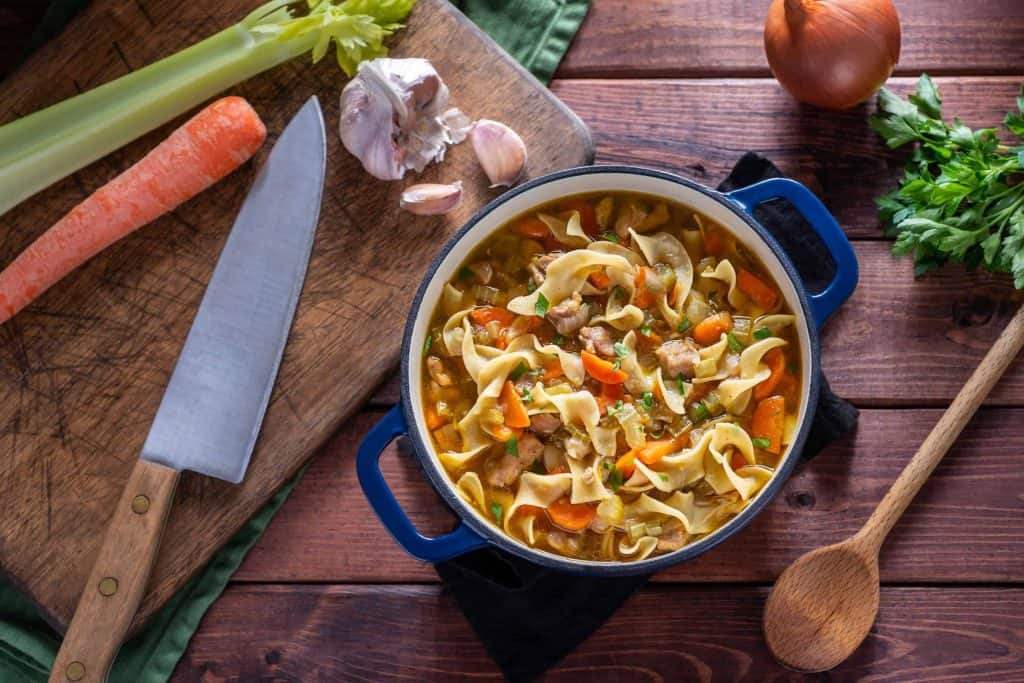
824, 604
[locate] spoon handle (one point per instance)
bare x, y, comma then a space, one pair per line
944, 433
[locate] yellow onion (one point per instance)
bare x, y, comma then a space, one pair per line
832, 53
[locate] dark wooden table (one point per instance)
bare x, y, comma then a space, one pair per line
683, 85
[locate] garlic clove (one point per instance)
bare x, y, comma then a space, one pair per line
431, 199
500, 151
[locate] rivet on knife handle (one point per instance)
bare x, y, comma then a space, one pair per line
115, 587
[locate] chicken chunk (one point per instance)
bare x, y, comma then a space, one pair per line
545, 423
438, 373
503, 470
597, 340
576, 448
678, 357
569, 315
538, 267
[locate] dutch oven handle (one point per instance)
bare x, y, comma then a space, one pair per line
458, 542
827, 301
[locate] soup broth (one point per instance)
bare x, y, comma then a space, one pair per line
610, 377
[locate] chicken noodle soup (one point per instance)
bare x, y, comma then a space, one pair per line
611, 377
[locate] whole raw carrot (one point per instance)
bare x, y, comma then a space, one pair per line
206, 148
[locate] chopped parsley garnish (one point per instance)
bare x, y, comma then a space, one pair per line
762, 333
608, 465
527, 396
618, 293
531, 287
610, 236
542, 305
681, 385
465, 273
512, 446
700, 412
621, 350
518, 371
647, 400
663, 477
644, 329
426, 345
734, 343
762, 442
617, 365
612, 410
558, 340
615, 479
497, 511
684, 325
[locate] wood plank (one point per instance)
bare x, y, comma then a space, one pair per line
83, 369
384, 633
966, 526
700, 128
698, 38
905, 341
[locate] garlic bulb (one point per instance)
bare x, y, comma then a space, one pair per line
500, 151
395, 117
430, 199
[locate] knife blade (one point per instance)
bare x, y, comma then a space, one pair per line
211, 413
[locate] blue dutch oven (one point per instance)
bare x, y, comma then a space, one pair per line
734, 211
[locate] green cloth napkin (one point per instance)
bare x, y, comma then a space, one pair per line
537, 33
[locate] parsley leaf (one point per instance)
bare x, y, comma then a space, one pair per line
647, 400
701, 412
734, 343
612, 410
497, 510
518, 371
620, 349
762, 442
512, 446
615, 479
427, 344
684, 325
961, 197
542, 305
531, 287
558, 340
610, 236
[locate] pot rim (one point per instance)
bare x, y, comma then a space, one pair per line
438, 478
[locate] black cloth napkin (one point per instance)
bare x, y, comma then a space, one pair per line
529, 617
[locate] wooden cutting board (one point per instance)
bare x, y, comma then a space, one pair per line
82, 371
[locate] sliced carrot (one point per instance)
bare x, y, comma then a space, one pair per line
512, 406
588, 216
599, 279
602, 370
653, 451
626, 464
434, 419
572, 517
737, 460
210, 145
488, 314
558, 469
757, 289
776, 362
714, 243
529, 510
552, 370
643, 297
532, 227
769, 421
710, 329
609, 396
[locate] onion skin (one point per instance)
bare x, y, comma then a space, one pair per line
833, 54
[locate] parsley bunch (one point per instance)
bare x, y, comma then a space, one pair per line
962, 194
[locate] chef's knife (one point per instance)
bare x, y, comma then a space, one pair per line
211, 413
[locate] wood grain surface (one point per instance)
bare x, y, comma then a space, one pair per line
82, 370
952, 569
701, 38
663, 633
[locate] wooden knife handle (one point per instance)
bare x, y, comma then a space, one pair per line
119, 576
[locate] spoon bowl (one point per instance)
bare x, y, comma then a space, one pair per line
823, 606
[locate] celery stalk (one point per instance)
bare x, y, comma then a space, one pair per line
40, 149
